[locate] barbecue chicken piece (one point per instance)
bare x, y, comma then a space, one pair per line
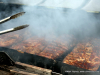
52, 52
42, 47
9, 39
32, 45
6, 40
84, 55
57, 47
22, 40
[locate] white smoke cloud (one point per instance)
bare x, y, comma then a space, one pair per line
47, 22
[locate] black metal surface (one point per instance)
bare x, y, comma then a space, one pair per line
4, 69
5, 59
55, 66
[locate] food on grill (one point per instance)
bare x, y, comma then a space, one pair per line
52, 52
9, 39
32, 45
6, 41
84, 55
57, 47
37, 45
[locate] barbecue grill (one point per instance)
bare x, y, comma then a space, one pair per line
36, 61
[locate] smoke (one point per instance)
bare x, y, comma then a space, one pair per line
60, 21
50, 23
47, 22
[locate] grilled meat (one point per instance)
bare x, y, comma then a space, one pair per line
84, 56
